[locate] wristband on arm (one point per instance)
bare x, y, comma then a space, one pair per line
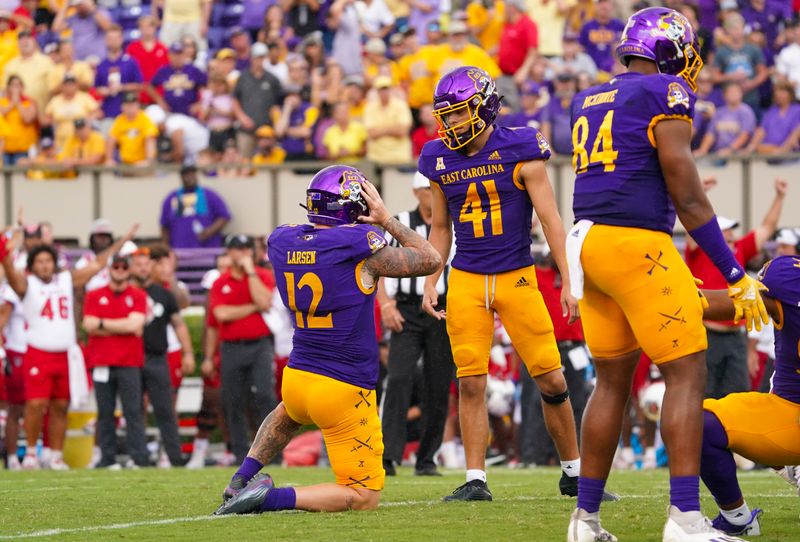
710, 239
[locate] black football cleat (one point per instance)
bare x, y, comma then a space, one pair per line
428, 470
236, 484
388, 467
569, 487
249, 499
474, 490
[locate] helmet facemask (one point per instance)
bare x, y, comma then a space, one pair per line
474, 123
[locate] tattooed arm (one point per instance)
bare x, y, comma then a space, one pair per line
275, 432
416, 257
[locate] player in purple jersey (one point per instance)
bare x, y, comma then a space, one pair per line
486, 181
326, 273
763, 427
634, 172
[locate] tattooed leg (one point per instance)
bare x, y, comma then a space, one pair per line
275, 432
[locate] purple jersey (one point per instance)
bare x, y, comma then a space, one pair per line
180, 87
490, 208
618, 176
782, 277
317, 272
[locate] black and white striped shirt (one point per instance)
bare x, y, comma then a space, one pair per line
414, 286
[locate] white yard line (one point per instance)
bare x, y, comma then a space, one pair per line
391, 504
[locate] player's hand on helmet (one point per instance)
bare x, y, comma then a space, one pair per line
430, 300
747, 302
378, 214
569, 306
391, 317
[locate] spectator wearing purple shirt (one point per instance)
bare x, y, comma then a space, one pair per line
534, 96
422, 13
765, 17
193, 216
86, 25
780, 127
294, 124
176, 87
556, 117
240, 43
599, 35
731, 127
116, 75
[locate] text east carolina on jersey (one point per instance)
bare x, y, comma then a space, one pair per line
489, 205
619, 180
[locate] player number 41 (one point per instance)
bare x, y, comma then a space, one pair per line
472, 210
312, 321
581, 159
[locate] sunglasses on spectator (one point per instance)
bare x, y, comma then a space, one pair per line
120, 265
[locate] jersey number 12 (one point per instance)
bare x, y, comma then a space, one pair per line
581, 159
312, 321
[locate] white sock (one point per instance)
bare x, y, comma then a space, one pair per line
476, 474
200, 445
56, 455
737, 516
572, 468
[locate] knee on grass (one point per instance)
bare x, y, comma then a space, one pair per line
364, 499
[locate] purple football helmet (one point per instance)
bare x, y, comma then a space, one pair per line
667, 38
333, 196
466, 88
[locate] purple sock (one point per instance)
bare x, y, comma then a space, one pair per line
249, 468
279, 498
717, 466
684, 493
590, 493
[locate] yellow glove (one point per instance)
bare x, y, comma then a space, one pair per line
747, 302
703, 299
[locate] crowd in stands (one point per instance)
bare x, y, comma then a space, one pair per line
232, 83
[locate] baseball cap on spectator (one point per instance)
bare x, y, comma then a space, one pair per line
258, 49
239, 240
727, 223
531, 88
70, 78
353, 80
565, 76
225, 53
375, 46
50, 48
728, 4
265, 131
458, 27
33, 230
5, 15
156, 114
101, 226
787, 237
314, 38
47, 143
420, 181
79, 123
176, 47
396, 38
382, 81
130, 97
237, 31
433, 26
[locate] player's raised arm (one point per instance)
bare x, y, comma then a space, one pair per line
416, 256
81, 276
441, 238
537, 184
15, 279
695, 212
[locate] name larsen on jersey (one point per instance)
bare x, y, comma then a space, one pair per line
471, 173
301, 257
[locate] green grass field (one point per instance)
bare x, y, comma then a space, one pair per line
175, 505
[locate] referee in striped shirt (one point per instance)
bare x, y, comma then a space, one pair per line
414, 335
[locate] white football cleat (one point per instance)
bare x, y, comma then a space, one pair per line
585, 527
13, 462
30, 462
692, 527
791, 474
163, 461
197, 461
57, 463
